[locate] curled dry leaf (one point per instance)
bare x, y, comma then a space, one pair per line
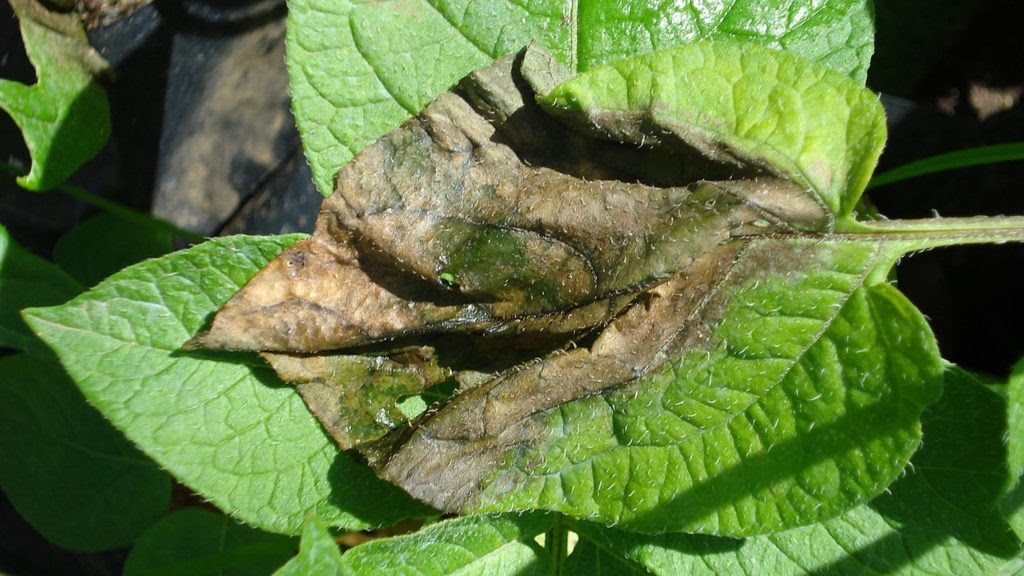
485, 242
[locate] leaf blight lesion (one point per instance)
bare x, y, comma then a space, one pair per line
535, 263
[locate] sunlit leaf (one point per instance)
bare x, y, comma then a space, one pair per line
222, 425
357, 70
64, 117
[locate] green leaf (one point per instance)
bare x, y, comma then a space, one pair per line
27, 280
939, 518
357, 70
463, 546
64, 117
1013, 501
318, 554
223, 425
197, 541
740, 103
97, 247
65, 469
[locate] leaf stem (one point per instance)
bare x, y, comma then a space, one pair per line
556, 542
127, 214
112, 208
925, 233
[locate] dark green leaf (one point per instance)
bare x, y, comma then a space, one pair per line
27, 280
64, 117
357, 70
65, 469
224, 426
105, 244
199, 542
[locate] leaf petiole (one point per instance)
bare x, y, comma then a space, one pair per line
926, 233
556, 542
112, 208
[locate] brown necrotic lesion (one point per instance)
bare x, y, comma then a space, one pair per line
486, 244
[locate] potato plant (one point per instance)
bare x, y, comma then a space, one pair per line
594, 289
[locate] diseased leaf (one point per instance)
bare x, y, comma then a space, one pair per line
197, 541
354, 397
792, 393
457, 222
223, 425
1013, 502
357, 70
27, 280
65, 469
739, 104
724, 366
64, 117
938, 519
503, 221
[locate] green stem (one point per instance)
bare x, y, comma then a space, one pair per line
556, 542
925, 233
112, 208
127, 214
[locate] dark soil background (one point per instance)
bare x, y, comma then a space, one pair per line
203, 137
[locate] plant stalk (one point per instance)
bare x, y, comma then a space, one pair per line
556, 542
926, 233
112, 208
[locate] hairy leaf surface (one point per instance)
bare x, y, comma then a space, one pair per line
318, 554
223, 425
358, 70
